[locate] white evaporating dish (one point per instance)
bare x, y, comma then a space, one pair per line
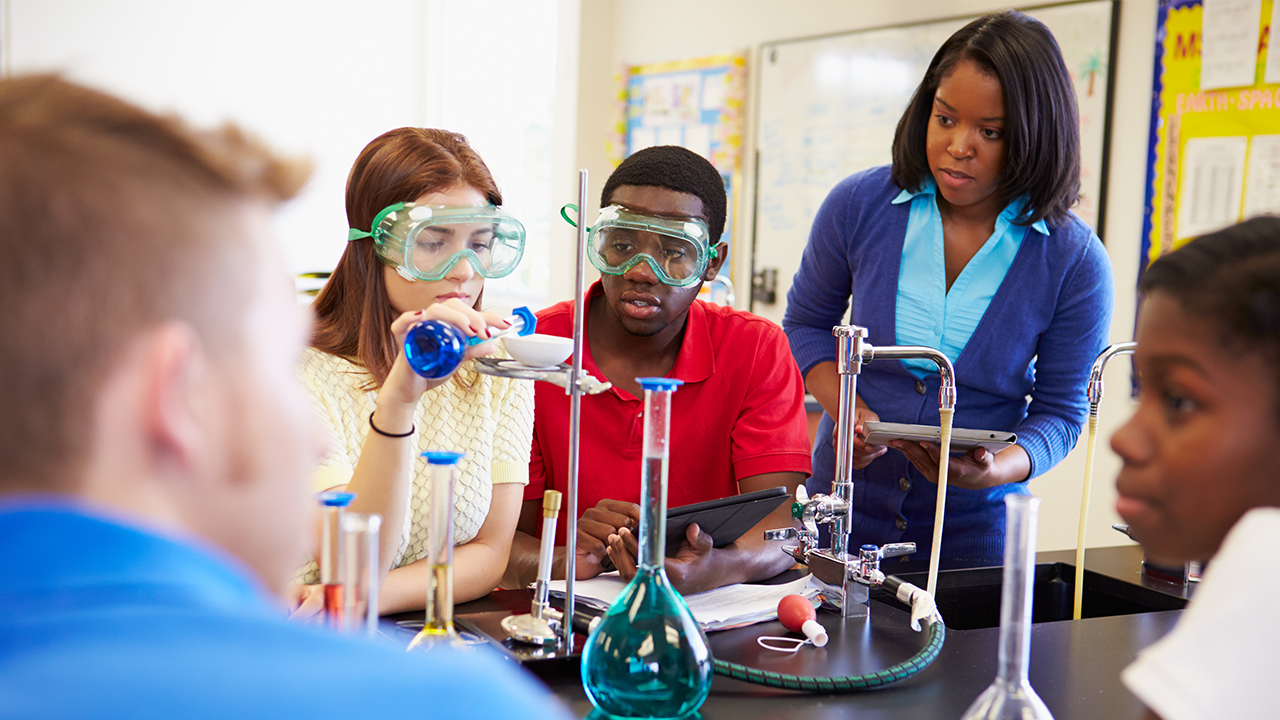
539, 350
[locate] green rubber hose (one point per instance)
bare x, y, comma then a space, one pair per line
853, 683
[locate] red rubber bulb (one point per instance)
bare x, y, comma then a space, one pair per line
797, 615
794, 611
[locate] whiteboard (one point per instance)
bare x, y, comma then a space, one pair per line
828, 108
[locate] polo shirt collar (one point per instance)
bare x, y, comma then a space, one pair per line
696, 361
69, 543
1011, 212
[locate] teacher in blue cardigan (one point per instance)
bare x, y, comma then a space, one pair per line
966, 243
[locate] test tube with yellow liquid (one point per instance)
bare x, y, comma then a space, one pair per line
437, 629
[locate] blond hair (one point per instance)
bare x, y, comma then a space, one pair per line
112, 220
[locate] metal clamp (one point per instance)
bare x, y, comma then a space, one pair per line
808, 542
846, 582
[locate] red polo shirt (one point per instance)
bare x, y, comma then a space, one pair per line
739, 413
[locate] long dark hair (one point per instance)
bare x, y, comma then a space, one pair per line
1041, 121
353, 311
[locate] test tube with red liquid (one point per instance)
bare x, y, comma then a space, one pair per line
334, 505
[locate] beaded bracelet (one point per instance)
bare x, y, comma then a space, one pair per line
387, 434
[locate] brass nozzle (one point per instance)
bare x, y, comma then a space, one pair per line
550, 503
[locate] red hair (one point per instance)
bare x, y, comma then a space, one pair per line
353, 311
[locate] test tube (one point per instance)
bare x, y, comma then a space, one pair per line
360, 571
438, 628
334, 504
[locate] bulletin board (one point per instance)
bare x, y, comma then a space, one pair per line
697, 104
1215, 121
828, 107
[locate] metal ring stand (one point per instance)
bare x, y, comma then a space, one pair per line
576, 383
588, 384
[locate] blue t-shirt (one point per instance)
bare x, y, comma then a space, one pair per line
99, 619
927, 312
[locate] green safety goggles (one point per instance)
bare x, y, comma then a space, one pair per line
677, 249
423, 242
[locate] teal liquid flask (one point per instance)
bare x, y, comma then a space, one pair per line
649, 658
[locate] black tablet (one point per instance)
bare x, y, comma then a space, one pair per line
725, 519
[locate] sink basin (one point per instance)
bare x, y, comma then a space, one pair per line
970, 599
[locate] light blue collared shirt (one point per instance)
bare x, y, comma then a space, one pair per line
927, 314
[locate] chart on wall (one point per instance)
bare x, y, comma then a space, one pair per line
697, 104
1215, 133
829, 107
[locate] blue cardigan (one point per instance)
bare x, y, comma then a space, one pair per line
1038, 339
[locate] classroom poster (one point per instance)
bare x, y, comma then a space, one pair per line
698, 104
1215, 126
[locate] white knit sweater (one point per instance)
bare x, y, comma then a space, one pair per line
491, 422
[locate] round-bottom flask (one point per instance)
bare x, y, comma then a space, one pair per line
434, 348
648, 657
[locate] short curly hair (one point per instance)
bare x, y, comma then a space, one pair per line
1230, 279
674, 168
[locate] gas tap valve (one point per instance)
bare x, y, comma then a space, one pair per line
809, 511
845, 580
866, 570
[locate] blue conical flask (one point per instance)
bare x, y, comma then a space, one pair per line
649, 658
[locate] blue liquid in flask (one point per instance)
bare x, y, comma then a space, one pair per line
649, 658
435, 348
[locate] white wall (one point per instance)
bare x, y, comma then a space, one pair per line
322, 78
318, 83
618, 32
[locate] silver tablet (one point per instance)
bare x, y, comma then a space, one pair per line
962, 439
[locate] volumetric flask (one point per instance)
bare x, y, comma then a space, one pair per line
1010, 696
437, 628
648, 657
434, 348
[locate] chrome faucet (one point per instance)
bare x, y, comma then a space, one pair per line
1167, 572
723, 284
1095, 375
848, 577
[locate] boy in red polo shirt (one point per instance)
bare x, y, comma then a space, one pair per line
737, 423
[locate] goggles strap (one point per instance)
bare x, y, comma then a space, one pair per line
354, 234
564, 214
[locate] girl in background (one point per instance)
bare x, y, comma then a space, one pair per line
426, 230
